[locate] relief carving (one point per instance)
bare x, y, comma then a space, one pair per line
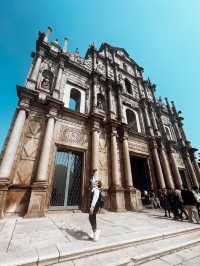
25, 165
23, 174
70, 136
179, 160
138, 146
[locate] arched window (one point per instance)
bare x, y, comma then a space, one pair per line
101, 102
75, 100
47, 79
128, 86
131, 120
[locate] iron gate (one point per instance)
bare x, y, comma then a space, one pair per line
66, 189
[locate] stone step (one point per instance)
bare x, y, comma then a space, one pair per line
134, 247
116, 249
134, 254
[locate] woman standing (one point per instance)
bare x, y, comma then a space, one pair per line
95, 204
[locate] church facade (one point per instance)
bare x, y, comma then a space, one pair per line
76, 115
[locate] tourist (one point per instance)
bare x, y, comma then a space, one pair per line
190, 202
196, 193
164, 202
174, 203
180, 206
95, 203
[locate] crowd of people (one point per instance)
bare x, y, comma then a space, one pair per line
178, 204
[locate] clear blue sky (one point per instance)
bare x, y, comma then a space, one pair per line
163, 36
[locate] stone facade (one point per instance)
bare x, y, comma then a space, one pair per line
101, 108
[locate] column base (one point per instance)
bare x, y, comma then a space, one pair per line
133, 199
38, 200
3, 196
117, 202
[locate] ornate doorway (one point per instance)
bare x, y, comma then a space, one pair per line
66, 190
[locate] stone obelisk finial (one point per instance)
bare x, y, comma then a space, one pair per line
65, 45
49, 30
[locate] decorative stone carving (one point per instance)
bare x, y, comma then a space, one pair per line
71, 136
24, 172
179, 160
25, 166
138, 146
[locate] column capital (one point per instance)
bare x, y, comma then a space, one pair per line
53, 112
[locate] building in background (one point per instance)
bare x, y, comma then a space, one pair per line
79, 114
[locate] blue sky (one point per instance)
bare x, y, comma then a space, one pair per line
163, 36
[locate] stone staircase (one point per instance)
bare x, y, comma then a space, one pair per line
142, 238
130, 251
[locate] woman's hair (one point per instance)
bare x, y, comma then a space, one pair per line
99, 183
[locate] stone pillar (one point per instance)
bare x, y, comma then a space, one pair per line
38, 199
191, 170
12, 145
49, 30
56, 92
120, 105
42, 173
114, 158
147, 118
36, 68
127, 164
94, 94
178, 133
65, 45
166, 168
158, 166
117, 192
177, 177
32, 80
9, 156
132, 195
111, 112
197, 169
95, 147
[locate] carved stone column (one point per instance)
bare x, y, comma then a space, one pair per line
32, 80
56, 92
38, 198
111, 112
147, 119
10, 153
117, 192
166, 168
95, 146
127, 163
120, 105
132, 195
157, 163
177, 177
94, 93
197, 169
191, 169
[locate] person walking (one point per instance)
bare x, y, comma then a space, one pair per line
95, 204
190, 202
